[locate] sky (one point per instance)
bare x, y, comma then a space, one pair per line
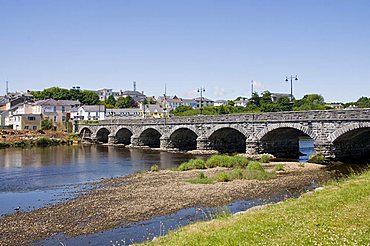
219, 45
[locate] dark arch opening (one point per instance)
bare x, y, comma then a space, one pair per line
287, 142
353, 146
228, 140
183, 139
150, 137
123, 136
102, 135
85, 133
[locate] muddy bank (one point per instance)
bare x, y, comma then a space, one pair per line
141, 196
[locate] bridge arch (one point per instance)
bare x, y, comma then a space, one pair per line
102, 135
150, 137
123, 136
183, 139
85, 132
352, 142
227, 140
286, 140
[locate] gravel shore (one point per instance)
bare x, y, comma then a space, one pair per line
123, 200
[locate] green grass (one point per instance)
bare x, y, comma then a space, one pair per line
154, 168
265, 158
192, 164
201, 179
214, 161
318, 158
336, 215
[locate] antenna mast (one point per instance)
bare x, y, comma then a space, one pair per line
7, 88
134, 85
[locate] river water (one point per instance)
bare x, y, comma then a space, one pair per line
34, 177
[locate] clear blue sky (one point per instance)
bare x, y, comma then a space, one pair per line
219, 44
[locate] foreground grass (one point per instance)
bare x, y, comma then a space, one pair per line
336, 215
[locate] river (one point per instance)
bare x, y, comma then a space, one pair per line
34, 177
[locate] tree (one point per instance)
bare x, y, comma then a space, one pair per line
89, 98
125, 102
110, 100
284, 104
363, 102
310, 102
255, 100
46, 124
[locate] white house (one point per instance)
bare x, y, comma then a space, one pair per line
220, 103
241, 103
89, 112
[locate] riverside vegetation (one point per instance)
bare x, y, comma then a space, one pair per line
337, 214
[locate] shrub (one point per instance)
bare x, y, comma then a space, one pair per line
192, 164
154, 168
201, 179
219, 161
318, 158
255, 166
264, 158
46, 124
279, 167
237, 174
226, 161
42, 141
223, 177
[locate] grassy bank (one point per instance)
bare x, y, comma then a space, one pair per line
335, 215
38, 141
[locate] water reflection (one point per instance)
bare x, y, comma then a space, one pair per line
26, 171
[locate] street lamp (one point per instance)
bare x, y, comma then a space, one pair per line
291, 84
201, 90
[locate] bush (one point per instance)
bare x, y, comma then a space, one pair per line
318, 158
237, 174
223, 177
265, 158
192, 164
154, 168
42, 141
201, 179
255, 166
226, 161
46, 124
279, 167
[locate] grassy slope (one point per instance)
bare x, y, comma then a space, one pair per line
336, 215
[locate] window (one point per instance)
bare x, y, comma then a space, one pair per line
26, 127
63, 109
55, 108
55, 118
63, 118
34, 127
31, 118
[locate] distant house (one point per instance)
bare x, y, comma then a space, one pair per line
57, 111
337, 105
276, 96
170, 102
104, 93
243, 102
89, 112
153, 110
27, 121
220, 103
135, 95
204, 101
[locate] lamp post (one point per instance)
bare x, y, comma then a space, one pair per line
291, 84
201, 90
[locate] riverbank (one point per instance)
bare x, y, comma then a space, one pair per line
123, 200
337, 214
28, 138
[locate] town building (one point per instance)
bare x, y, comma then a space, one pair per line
220, 103
89, 112
276, 96
204, 101
243, 102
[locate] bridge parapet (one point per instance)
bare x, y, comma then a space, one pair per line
334, 132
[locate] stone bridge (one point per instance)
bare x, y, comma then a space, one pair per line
338, 134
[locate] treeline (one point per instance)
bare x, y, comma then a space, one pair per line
84, 96
257, 104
